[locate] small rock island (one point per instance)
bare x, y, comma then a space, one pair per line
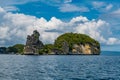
33, 44
65, 44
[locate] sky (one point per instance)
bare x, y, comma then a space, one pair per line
100, 19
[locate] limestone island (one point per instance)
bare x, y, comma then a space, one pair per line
65, 44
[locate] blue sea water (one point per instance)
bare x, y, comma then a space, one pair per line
60, 67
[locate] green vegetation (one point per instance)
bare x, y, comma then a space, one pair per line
18, 48
74, 38
12, 50
47, 49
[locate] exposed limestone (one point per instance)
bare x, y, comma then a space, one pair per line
77, 49
85, 49
33, 44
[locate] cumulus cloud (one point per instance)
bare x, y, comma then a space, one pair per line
93, 29
72, 8
14, 28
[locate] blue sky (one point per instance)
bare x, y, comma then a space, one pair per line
96, 18
69, 8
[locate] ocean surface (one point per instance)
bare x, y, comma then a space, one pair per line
60, 67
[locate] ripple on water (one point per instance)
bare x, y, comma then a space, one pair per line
55, 67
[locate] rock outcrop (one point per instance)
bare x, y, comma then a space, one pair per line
65, 47
63, 50
33, 44
85, 49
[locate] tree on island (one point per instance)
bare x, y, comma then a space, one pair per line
17, 48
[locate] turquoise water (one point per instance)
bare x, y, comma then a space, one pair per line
59, 67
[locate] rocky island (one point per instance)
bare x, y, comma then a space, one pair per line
77, 44
33, 44
68, 43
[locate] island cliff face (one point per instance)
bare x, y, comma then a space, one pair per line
85, 49
68, 43
33, 44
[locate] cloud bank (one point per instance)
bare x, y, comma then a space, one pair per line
14, 28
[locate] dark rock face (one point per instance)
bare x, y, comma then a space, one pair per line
65, 47
33, 44
57, 51
63, 50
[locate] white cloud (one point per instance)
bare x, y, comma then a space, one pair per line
14, 28
116, 12
108, 7
102, 6
112, 17
113, 40
11, 8
4, 31
4, 3
67, 1
98, 4
93, 28
72, 8
77, 19
1, 10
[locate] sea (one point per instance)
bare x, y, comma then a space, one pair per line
60, 67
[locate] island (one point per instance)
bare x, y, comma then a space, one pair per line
65, 44
68, 43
